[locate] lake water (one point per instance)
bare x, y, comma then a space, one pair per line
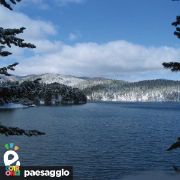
102, 141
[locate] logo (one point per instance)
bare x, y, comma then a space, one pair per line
11, 160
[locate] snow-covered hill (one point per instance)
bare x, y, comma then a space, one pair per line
8, 78
143, 91
47, 78
101, 89
51, 78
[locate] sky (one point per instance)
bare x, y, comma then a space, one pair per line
117, 39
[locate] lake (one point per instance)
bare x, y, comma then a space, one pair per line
100, 140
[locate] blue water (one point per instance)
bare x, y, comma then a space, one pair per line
100, 140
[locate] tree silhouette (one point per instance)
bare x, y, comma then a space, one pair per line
7, 5
174, 66
8, 37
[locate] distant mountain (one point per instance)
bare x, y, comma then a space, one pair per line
68, 80
46, 78
102, 89
52, 78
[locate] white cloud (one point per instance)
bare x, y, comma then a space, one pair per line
116, 58
35, 28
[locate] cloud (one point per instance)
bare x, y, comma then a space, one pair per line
116, 58
35, 28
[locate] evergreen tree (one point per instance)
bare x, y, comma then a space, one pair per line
174, 66
8, 37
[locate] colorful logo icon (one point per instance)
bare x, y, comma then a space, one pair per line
11, 160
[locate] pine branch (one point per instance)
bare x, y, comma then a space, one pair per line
8, 37
174, 66
12, 31
11, 67
7, 5
4, 53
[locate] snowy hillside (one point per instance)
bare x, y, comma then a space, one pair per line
8, 78
101, 89
68, 80
143, 91
97, 81
51, 78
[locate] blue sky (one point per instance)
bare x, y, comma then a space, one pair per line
139, 21
122, 39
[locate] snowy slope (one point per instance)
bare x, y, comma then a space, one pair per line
51, 78
143, 91
8, 78
68, 80
101, 89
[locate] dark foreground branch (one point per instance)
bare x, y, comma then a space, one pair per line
8, 37
14, 131
174, 66
7, 5
11, 67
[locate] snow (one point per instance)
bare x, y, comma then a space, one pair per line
101, 89
12, 106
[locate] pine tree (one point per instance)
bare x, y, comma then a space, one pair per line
8, 37
174, 66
